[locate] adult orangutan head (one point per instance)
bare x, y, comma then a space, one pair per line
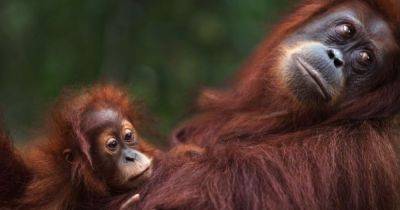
329, 60
341, 56
347, 51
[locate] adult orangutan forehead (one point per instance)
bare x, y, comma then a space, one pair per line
370, 25
102, 117
360, 13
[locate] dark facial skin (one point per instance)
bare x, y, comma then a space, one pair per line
341, 54
114, 148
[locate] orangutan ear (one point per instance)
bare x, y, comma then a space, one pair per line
179, 135
68, 156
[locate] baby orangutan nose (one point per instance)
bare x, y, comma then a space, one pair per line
130, 155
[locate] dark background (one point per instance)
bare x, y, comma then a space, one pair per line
163, 50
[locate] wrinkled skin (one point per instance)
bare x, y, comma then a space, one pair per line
341, 54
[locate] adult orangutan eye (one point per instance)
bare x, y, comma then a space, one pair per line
345, 30
112, 143
363, 61
364, 58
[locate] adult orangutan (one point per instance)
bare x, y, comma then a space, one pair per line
307, 125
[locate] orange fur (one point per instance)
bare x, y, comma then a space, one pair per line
57, 183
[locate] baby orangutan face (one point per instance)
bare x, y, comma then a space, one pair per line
116, 153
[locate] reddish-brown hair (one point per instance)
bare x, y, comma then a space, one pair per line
265, 151
58, 183
259, 94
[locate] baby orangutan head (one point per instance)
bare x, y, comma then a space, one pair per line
116, 149
97, 129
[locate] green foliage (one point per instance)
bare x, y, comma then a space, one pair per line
164, 50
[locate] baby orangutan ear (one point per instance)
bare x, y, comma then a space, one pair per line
68, 156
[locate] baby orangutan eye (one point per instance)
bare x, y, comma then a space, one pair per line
128, 135
112, 143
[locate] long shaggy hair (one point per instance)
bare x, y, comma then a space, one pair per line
266, 151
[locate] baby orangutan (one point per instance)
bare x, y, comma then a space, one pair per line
91, 155
118, 155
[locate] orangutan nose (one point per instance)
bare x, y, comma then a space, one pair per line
130, 155
336, 56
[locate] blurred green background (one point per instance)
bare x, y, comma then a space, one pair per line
163, 50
